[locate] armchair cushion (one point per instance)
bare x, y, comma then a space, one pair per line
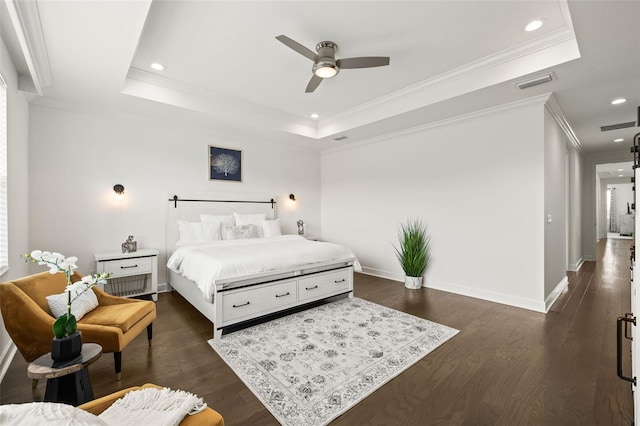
123, 316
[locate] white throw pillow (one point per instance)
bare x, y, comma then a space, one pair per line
87, 302
224, 221
254, 219
197, 232
240, 232
49, 413
271, 228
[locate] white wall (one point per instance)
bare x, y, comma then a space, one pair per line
17, 128
576, 172
478, 182
555, 206
75, 158
624, 195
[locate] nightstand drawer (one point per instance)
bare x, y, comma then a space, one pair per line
320, 286
254, 302
127, 267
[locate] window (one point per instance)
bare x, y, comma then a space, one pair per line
4, 222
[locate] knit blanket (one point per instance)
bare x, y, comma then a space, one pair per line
152, 406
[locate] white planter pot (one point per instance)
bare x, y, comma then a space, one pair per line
413, 283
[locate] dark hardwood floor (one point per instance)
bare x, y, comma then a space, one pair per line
507, 366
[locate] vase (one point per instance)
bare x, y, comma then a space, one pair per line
66, 348
413, 283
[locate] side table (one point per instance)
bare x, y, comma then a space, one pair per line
68, 383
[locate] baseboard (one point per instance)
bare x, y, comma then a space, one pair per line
491, 296
163, 288
6, 359
587, 258
555, 293
575, 267
382, 274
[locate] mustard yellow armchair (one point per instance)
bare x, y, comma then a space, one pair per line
206, 417
27, 318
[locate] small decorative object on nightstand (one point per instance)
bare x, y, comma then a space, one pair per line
300, 227
129, 246
131, 274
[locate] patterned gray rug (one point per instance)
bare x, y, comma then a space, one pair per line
310, 367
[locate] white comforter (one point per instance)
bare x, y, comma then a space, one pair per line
204, 263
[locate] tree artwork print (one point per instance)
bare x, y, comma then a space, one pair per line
225, 164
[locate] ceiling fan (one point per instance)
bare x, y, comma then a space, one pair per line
325, 64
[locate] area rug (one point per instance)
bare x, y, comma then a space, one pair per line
308, 368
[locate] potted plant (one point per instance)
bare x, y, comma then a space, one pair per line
413, 251
67, 341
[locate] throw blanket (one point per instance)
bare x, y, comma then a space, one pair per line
151, 406
207, 262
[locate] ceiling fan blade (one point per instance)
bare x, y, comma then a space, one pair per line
313, 84
297, 47
363, 62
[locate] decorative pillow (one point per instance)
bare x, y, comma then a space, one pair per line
271, 228
240, 232
87, 302
49, 413
197, 232
254, 219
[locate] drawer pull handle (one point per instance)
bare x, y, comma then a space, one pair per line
283, 295
244, 304
339, 281
311, 288
127, 267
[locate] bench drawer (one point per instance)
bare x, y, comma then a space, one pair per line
324, 285
256, 301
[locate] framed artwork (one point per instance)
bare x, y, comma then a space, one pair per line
225, 164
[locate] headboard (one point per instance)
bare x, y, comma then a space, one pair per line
191, 207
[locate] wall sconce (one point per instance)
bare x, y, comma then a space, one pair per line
292, 197
119, 190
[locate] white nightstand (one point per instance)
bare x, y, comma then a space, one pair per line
131, 274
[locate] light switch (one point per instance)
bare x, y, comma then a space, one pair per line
549, 218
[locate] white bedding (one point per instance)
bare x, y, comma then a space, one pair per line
204, 263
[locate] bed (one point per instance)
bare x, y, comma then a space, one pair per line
232, 277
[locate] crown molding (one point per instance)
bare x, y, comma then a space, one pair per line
25, 18
511, 106
556, 112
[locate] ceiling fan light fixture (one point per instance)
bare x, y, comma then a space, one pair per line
325, 69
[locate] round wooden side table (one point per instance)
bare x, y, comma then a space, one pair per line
66, 382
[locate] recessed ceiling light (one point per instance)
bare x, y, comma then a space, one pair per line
157, 66
619, 170
314, 116
618, 140
620, 175
618, 101
533, 25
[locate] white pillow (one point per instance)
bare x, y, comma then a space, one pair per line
254, 219
197, 232
271, 228
87, 302
224, 221
240, 232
